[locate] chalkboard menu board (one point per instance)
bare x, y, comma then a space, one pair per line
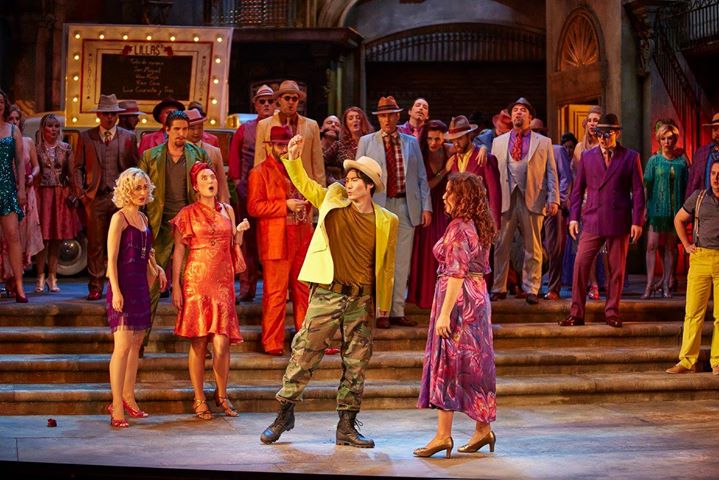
146, 77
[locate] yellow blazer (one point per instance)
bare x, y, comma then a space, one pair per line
318, 266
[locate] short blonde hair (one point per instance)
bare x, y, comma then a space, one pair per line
126, 183
665, 128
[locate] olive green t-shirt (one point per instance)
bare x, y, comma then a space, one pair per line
351, 237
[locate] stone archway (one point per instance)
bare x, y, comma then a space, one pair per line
459, 68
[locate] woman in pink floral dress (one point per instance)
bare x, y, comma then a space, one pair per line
459, 373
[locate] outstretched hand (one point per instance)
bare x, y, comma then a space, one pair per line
294, 148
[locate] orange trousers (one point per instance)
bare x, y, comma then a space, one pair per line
278, 276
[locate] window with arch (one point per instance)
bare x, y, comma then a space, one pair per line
580, 43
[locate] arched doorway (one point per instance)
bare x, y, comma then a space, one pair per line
459, 68
577, 78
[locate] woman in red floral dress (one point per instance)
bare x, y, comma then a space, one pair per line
206, 300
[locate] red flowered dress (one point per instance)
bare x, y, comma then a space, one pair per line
208, 282
459, 372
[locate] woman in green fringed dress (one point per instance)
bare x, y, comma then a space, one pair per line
665, 179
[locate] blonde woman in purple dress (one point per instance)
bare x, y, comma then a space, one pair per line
459, 373
131, 270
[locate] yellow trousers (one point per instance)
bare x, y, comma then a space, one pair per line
703, 275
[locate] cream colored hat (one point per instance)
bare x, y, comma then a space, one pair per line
369, 167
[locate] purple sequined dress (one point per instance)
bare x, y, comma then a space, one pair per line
459, 372
132, 261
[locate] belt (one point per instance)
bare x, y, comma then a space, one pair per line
469, 274
399, 195
349, 290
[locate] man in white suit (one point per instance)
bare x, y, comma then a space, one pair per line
406, 195
530, 190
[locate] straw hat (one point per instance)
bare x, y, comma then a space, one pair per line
369, 167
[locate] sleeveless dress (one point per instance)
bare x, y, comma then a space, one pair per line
8, 187
459, 372
132, 258
208, 281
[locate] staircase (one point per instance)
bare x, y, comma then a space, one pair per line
54, 360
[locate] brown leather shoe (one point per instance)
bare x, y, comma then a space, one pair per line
521, 294
614, 322
679, 368
497, 296
551, 295
402, 321
383, 322
94, 295
532, 299
571, 321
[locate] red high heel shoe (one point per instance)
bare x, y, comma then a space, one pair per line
134, 413
114, 422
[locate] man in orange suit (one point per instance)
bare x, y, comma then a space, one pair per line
284, 230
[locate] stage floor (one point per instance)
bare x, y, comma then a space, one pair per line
638, 440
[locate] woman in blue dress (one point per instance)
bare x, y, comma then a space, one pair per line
12, 192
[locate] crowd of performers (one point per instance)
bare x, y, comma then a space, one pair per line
351, 224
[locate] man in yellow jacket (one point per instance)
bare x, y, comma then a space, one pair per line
349, 266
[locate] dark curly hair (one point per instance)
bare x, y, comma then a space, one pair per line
470, 203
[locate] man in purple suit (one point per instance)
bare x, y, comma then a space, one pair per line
703, 159
611, 176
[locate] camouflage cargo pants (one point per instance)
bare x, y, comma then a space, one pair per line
329, 311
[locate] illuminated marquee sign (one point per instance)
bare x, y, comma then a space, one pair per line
145, 64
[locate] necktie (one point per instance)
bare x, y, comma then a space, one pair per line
391, 162
607, 157
108, 136
517, 147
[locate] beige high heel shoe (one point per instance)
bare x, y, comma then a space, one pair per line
52, 283
40, 283
447, 445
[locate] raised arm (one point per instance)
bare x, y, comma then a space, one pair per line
310, 189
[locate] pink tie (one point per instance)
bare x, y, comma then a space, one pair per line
607, 157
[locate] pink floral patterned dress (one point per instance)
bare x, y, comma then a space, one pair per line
459, 372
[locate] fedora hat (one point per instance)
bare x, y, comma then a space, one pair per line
281, 135
167, 102
459, 126
130, 108
714, 122
521, 101
195, 116
387, 105
263, 91
609, 122
108, 104
289, 86
369, 167
502, 121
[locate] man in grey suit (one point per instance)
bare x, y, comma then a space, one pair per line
406, 195
530, 190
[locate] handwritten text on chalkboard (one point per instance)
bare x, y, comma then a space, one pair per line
144, 77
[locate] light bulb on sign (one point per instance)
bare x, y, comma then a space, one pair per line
196, 38
214, 101
75, 99
77, 35
101, 36
149, 37
172, 38
97, 119
125, 37
215, 80
218, 60
76, 56
144, 120
219, 39
74, 119
213, 121
76, 77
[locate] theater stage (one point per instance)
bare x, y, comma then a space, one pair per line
636, 440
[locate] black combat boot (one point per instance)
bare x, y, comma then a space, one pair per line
285, 421
347, 434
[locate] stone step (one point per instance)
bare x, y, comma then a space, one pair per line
176, 397
86, 339
83, 313
249, 367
